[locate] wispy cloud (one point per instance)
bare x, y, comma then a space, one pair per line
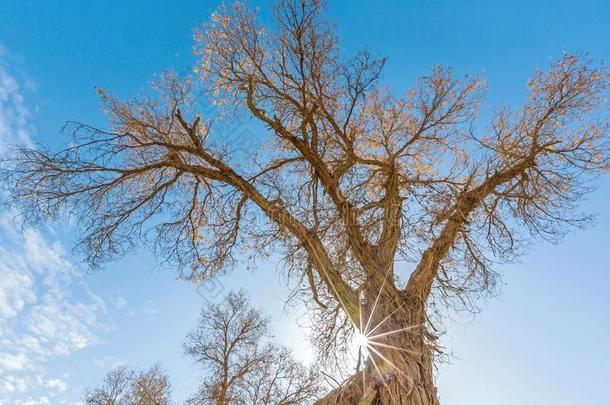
14, 114
46, 310
49, 315
108, 362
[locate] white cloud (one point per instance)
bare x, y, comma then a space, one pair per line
14, 114
18, 361
46, 310
120, 303
108, 362
50, 314
16, 291
39, 401
54, 384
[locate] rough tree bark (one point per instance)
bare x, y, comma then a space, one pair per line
399, 364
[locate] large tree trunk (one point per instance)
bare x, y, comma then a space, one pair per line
399, 368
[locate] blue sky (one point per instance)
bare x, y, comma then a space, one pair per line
543, 340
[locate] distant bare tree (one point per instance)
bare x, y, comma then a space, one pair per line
125, 387
243, 367
352, 184
151, 387
113, 391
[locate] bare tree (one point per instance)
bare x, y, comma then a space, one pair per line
242, 366
353, 185
125, 387
151, 387
113, 390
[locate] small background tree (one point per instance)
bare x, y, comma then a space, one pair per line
242, 366
126, 387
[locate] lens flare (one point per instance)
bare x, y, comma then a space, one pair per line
367, 343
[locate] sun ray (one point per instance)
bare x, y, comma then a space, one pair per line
395, 348
376, 301
377, 368
363, 380
360, 349
383, 321
386, 360
360, 315
405, 329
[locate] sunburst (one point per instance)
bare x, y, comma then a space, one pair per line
367, 341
